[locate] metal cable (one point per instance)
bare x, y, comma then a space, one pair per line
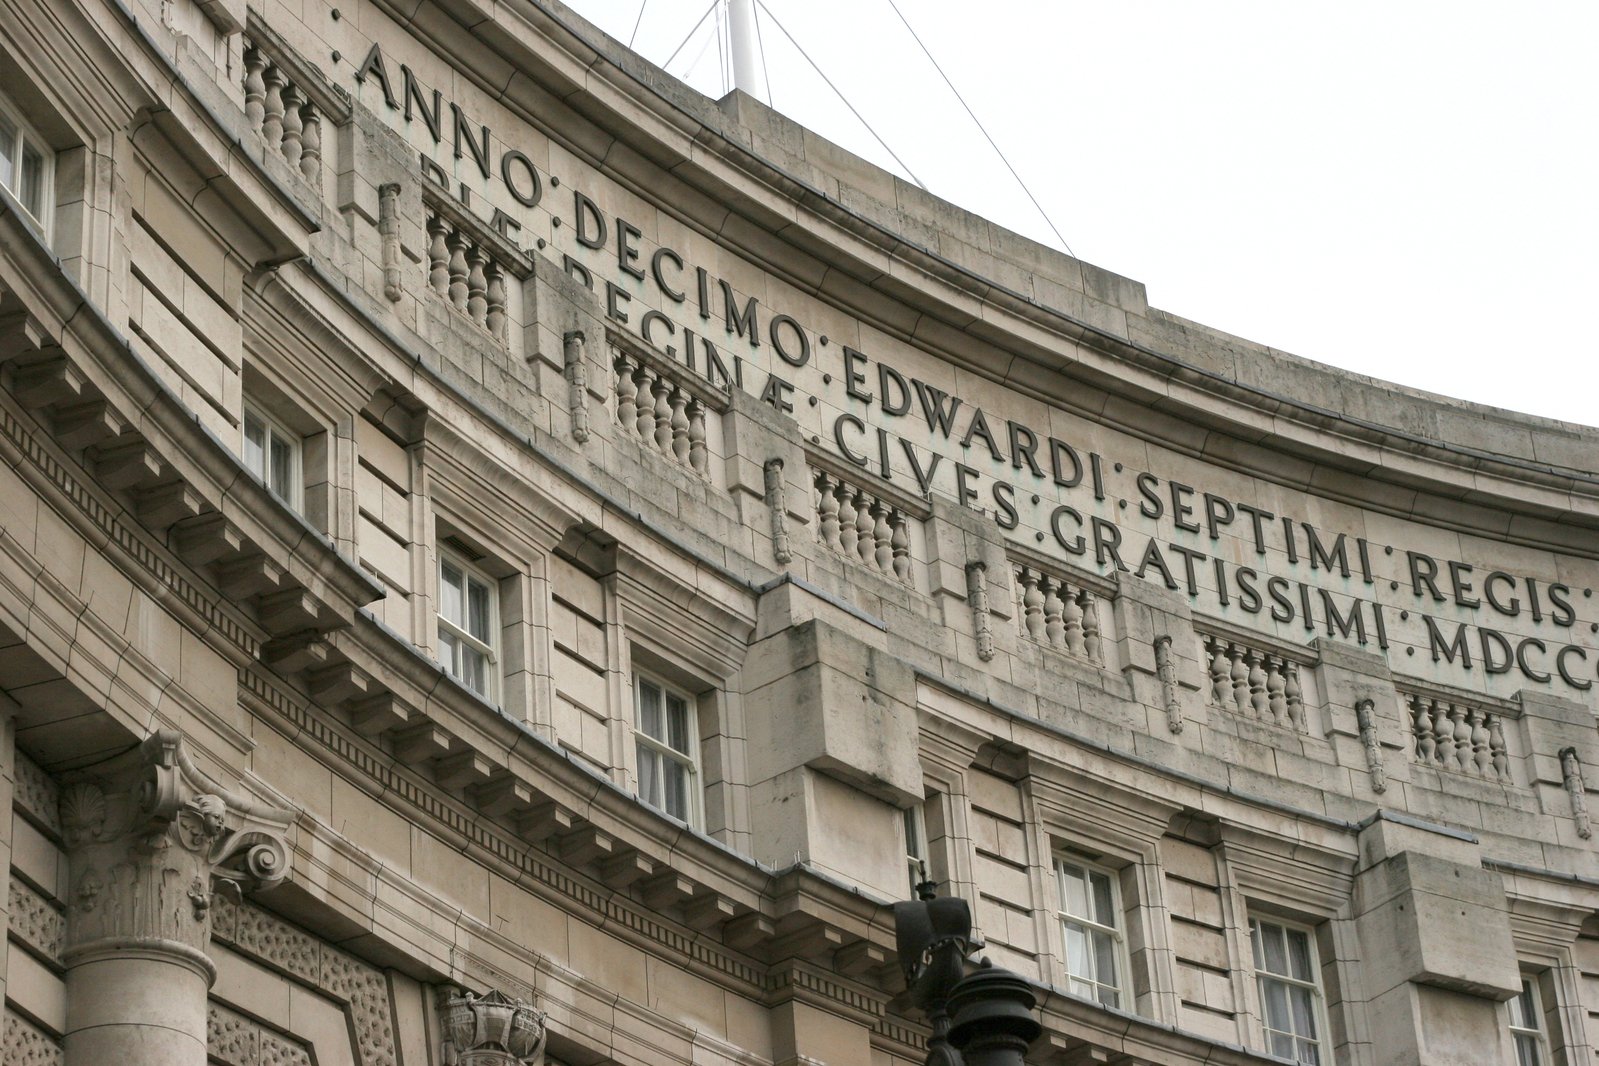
637, 23
984, 130
765, 72
691, 33
839, 94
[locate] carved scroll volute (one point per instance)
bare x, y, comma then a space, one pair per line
491, 1030
577, 383
1365, 718
389, 234
1577, 789
1166, 670
150, 841
982, 620
777, 502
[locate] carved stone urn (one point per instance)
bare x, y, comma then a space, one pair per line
491, 1030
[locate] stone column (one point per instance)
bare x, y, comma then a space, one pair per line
150, 841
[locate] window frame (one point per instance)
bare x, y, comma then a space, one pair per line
27, 135
274, 427
663, 748
1322, 1039
1530, 987
918, 862
1121, 957
489, 648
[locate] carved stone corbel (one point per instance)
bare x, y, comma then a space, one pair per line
1365, 717
389, 234
150, 840
777, 503
1166, 670
982, 621
577, 384
491, 1030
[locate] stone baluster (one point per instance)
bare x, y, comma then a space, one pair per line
776, 502
866, 519
150, 842
1294, 696
663, 414
1221, 685
1054, 612
644, 424
626, 391
293, 126
1480, 755
272, 108
1443, 733
477, 285
1422, 719
1259, 702
977, 595
699, 455
311, 143
848, 519
1365, 717
1496, 746
498, 322
254, 86
1032, 603
439, 256
458, 270
885, 536
1166, 670
1073, 623
1240, 675
901, 546
1093, 641
1461, 736
1276, 689
680, 425
827, 517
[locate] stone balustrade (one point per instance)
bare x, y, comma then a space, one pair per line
282, 112
1058, 614
862, 525
1460, 737
1254, 683
657, 402
464, 271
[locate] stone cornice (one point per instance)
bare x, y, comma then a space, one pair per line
1151, 392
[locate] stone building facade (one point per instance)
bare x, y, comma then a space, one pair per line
502, 557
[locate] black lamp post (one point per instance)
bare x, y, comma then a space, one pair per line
984, 1019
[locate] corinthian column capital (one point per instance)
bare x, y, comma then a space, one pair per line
150, 841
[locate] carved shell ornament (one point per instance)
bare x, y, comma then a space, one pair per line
83, 813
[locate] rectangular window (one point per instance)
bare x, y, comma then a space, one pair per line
25, 164
468, 623
272, 454
1526, 1025
1091, 920
916, 848
1290, 995
668, 743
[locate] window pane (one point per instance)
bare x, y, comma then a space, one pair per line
1299, 954
282, 479
1104, 913
8, 153
649, 776
30, 190
1309, 1054
677, 724
1276, 952
1527, 1050
449, 653
1304, 1012
1109, 996
1282, 1045
450, 582
649, 710
1077, 962
476, 670
1073, 881
478, 610
676, 789
1104, 958
1521, 1008
255, 445
1086, 989
1275, 997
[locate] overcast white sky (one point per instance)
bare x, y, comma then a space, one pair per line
1406, 189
